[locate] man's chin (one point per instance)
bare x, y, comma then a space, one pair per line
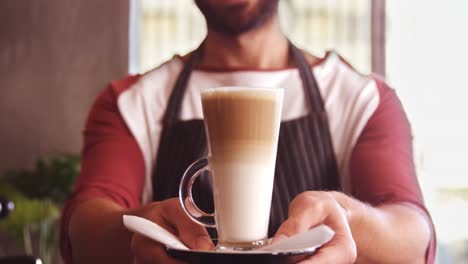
232, 2
235, 17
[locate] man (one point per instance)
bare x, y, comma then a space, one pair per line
143, 131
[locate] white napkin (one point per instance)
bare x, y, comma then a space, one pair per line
310, 240
152, 230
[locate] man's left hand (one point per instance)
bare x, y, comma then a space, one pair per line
313, 208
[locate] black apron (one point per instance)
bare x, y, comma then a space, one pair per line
305, 160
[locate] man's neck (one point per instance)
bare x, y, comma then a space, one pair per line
263, 48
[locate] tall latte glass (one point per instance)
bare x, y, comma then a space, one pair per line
242, 126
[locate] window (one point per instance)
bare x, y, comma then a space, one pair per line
427, 60
169, 27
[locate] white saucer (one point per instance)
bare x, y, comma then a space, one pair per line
290, 250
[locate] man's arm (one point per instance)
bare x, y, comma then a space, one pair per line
391, 224
97, 233
388, 233
99, 236
109, 186
387, 218
394, 233
110, 183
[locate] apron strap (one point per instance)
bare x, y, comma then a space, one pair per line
175, 100
309, 83
321, 133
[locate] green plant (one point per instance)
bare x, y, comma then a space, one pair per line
38, 196
52, 178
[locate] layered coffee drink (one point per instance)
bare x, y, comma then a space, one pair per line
242, 130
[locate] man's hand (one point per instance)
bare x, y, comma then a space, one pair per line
310, 209
169, 215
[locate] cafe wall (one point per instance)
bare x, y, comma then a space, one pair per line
55, 57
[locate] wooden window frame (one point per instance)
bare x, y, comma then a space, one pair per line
377, 31
378, 37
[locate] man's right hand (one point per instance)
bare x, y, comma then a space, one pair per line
169, 215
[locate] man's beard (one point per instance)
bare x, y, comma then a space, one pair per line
234, 19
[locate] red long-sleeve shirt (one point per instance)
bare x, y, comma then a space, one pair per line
371, 134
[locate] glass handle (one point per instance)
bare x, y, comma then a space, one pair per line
185, 193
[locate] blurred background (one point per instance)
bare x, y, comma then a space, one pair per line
56, 55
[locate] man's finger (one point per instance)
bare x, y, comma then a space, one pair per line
311, 209
192, 234
341, 249
303, 215
296, 224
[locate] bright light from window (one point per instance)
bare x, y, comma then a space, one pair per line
427, 59
171, 27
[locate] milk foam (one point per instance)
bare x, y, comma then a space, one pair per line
242, 195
